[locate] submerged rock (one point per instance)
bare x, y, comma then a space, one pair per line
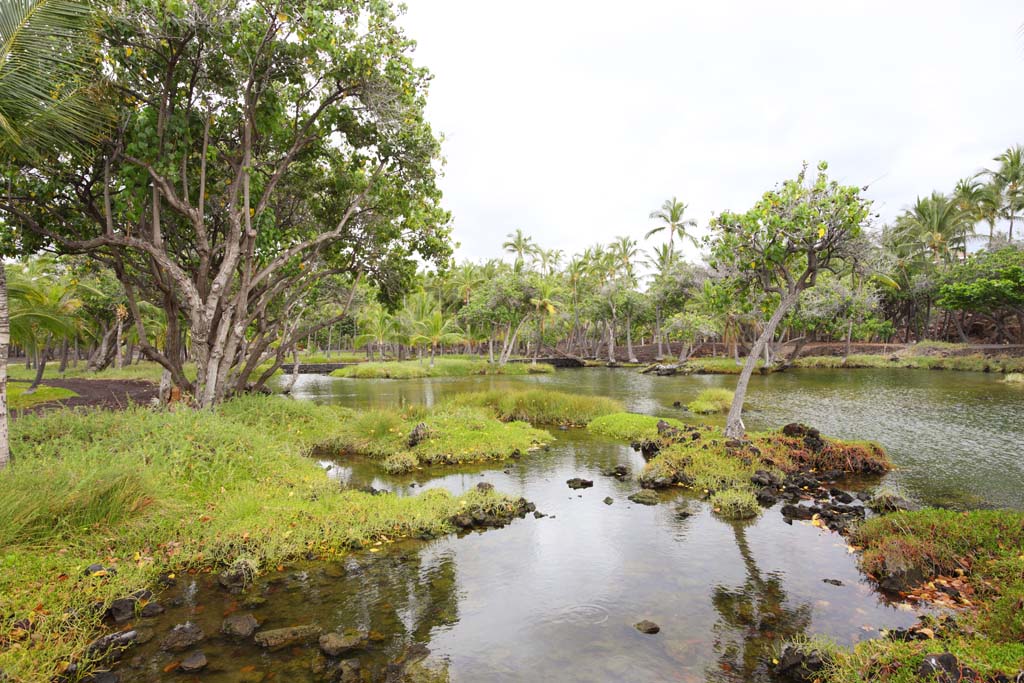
645, 497
619, 472
578, 483
336, 644
239, 625
276, 638
182, 637
195, 661
646, 626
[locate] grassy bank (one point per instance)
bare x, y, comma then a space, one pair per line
148, 493
450, 435
970, 363
17, 399
541, 406
630, 426
443, 367
711, 401
982, 553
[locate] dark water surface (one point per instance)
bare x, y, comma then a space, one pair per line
556, 598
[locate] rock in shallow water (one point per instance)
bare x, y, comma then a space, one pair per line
182, 637
335, 644
577, 483
648, 627
281, 637
195, 661
645, 497
239, 625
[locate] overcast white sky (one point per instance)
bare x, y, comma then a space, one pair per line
574, 119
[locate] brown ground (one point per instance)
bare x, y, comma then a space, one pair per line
103, 393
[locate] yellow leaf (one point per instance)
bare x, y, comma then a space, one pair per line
928, 632
282, 17
128, 51
821, 232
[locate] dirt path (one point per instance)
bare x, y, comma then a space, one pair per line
114, 394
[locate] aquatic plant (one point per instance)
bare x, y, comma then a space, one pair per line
542, 406
708, 401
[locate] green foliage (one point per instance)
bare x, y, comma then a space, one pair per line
968, 363
541, 406
177, 490
629, 426
454, 435
989, 282
710, 401
735, 504
443, 367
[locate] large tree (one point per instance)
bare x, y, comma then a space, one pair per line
261, 147
780, 246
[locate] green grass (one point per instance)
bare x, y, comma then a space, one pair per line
716, 366
145, 370
711, 401
735, 504
17, 399
455, 435
443, 367
987, 547
541, 406
149, 492
1014, 378
970, 363
629, 426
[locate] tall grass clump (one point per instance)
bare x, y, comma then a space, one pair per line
147, 492
709, 401
735, 504
629, 426
541, 406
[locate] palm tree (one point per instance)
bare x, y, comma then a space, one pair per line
671, 216
624, 252
436, 330
545, 305
521, 245
936, 225
46, 103
378, 328
1009, 177
664, 258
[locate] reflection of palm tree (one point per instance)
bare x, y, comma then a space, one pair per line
753, 619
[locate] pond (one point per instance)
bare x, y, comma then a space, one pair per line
557, 597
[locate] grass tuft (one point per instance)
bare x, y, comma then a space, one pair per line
709, 401
541, 406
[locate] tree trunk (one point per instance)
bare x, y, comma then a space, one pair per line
5, 341
611, 340
295, 372
40, 369
657, 333
629, 339
433, 350
849, 334
734, 428
540, 337
117, 346
63, 356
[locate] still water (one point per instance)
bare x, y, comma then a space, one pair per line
556, 598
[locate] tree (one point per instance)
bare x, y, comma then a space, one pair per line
378, 328
623, 253
435, 330
780, 246
937, 225
297, 151
1009, 178
990, 284
47, 104
521, 245
545, 305
671, 216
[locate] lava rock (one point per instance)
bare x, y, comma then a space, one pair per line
832, 582
890, 502
798, 666
767, 496
945, 668
239, 625
619, 472
608, 500
646, 626
841, 496
195, 661
122, 610
337, 644
539, 515
798, 511
418, 434
645, 497
277, 638
578, 483
234, 579
479, 519
484, 487
182, 637
151, 609
112, 645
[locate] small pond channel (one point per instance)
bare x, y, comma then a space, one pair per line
556, 598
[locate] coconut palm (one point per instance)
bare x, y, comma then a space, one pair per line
937, 226
671, 216
1009, 177
378, 328
545, 306
435, 330
46, 103
521, 245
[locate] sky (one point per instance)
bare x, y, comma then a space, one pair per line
573, 120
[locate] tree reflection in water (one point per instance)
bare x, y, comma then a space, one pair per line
753, 620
